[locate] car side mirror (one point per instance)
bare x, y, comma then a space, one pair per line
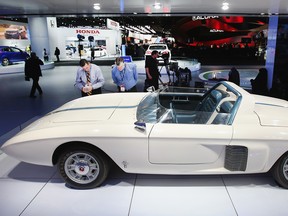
140, 125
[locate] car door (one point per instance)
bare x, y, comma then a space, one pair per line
15, 55
188, 143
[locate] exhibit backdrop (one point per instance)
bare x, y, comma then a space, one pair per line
67, 39
14, 34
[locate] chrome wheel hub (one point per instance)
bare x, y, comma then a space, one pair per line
82, 168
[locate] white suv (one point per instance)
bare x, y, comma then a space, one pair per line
164, 52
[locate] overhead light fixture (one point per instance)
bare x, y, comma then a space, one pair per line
225, 6
157, 5
97, 6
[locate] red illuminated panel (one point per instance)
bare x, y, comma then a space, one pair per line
233, 19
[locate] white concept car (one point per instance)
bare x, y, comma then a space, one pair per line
170, 131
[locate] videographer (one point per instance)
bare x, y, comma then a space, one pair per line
152, 72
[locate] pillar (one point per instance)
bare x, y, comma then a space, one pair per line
39, 38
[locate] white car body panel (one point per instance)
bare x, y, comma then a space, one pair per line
187, 145
107, 121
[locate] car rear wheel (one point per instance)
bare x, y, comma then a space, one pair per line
5, 61
280, 171
82, 168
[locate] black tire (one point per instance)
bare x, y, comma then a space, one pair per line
5, 61
280, 171
82, 168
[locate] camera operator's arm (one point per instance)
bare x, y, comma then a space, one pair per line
148, 73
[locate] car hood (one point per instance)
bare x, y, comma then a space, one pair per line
271, 111
115, 107
97, 108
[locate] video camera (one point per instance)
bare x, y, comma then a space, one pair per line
165, 56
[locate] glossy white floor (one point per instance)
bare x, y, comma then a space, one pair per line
32, 190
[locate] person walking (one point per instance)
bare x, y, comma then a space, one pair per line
152, 71
57, 53
125, 75
89, 78
33, 70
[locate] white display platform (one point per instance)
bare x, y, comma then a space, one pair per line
192, 65
19, 67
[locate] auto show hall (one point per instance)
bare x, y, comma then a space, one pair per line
30, 190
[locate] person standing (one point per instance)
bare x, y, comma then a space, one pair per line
33, 71
151, 68
45, 55
92, 54
234, 76
57, 53
259, 84
89, 78
125, 75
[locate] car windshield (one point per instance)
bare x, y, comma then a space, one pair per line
157, 106
189, 106
148, 108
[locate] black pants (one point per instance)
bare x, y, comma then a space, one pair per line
35, 86
151, 82
94, 91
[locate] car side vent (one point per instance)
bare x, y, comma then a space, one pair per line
236, 158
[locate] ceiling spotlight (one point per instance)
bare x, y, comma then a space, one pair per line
157, 5
225, 6
97, 6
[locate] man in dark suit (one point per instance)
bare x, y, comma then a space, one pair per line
33, 71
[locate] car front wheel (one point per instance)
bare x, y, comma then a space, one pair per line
83, 168
5, 61
280, 171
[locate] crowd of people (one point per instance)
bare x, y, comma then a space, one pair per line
90, 80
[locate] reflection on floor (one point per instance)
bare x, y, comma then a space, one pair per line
27, 189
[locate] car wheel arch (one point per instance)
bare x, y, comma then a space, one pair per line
76, 144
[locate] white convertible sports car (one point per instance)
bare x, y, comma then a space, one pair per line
169, 131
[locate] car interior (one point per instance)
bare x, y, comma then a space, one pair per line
214, 107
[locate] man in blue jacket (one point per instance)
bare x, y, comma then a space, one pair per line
125, 75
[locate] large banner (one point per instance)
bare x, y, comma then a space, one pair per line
17, 32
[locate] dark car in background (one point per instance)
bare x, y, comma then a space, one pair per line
9, 55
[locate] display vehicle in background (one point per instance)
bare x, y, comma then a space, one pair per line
169, 131
9, 55
15, 32
163, 51
99, 51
